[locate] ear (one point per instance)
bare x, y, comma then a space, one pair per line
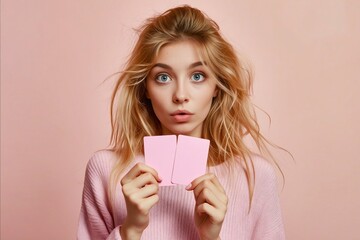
216, 91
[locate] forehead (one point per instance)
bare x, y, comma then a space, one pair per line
184, 51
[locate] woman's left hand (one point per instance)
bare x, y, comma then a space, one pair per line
211, 205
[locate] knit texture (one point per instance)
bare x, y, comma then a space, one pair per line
172, 218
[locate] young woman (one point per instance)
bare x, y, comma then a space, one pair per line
182, 78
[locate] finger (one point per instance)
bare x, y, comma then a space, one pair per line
207, 195
215, 188
208, 176
215, 214
145, 205
138, 183
206, 191
143, 179
207, 183
145, 192
217, 183
138, 169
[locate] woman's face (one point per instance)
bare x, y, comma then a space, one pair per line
181, 89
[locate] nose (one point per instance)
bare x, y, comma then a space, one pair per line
181, 94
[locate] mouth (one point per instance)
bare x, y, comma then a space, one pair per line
181, 116
181, 113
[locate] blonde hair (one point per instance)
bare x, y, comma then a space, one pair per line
231, 117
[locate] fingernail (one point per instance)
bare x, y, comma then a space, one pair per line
188, 187
160, 179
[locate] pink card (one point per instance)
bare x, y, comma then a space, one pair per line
190, 159
160, 155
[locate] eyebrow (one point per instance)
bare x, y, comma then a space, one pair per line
163, 65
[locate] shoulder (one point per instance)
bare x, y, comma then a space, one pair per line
105, 156
264, 169
100, 164
266, 177
101, 159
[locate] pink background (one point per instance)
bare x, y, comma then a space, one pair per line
55, 108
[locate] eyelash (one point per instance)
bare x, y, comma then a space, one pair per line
158, 76
199, 73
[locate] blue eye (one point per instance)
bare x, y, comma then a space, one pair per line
163, 78
198, 77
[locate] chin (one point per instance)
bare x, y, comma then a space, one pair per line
189, 129
187, 132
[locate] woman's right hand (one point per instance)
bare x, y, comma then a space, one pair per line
140, 188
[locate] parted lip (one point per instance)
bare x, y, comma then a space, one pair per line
181, 112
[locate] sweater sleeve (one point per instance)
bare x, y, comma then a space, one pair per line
269, 225
96, 220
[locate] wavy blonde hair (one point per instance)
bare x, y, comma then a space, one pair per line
231, 117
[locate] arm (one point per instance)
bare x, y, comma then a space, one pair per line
269, 225
96, 220
139, 186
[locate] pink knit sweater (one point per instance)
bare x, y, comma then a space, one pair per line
172, 217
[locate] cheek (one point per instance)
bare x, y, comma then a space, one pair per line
154, 92
158, 103
157, 98
206, 102
206, 97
